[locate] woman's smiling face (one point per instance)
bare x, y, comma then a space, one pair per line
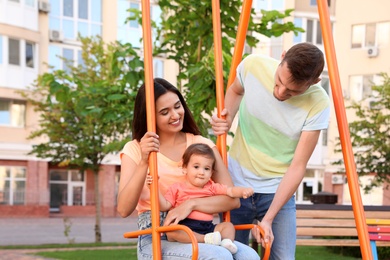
169, 113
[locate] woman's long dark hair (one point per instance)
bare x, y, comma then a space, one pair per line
161, 86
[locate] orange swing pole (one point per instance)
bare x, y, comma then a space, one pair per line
220, 94
237, 56
240, 39
151, 125
342, 124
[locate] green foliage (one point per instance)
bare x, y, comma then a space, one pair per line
91, 254
67, 229
186, 36
86, 110
130, 253
370, 135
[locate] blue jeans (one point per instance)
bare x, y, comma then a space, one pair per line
283, 226
175, 250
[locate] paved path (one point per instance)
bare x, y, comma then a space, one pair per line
38, 231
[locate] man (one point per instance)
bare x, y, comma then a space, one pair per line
281, 113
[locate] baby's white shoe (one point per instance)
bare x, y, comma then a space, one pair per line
213, 238
229, 245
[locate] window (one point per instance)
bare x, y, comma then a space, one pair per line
158, 68
324, 140
67, 187
313, 31
71, 17
314, 2
13, 51
12, 113
268, 5
371, 34
325, 82
29, 3
68, 54
72, 54
131, 31
12, 185
312, 27
298, 38
312, 183
260, 4
30, 55
360, 86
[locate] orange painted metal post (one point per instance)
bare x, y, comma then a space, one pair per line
240, 39
237, 57
342, 123
220, 93
151, 125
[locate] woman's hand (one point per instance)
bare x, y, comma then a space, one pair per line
179, 213
149, 143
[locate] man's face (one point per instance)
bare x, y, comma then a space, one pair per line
284, 89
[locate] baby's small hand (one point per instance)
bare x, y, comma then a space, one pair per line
247, 192
149, 179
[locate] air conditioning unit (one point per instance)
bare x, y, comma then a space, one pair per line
55, 36
337, 179
44, 6
372, 52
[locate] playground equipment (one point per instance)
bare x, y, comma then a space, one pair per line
221, 142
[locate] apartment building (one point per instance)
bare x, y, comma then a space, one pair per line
33, 33
362, 40
361, 47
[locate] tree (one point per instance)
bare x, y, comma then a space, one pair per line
370, 135
86, 110
187, 38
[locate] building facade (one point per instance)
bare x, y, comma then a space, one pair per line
33, 34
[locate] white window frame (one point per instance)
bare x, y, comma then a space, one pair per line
359, 37
302, 21
70, 184
316, 180
359, 86
127, 33
73, 35
12, 192
58, 63
16, 118
22, 53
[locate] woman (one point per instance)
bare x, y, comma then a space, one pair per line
176, 130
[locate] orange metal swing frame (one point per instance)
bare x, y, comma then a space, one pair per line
338, 101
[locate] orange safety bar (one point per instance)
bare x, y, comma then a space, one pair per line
342, 123
267, 250
238, 50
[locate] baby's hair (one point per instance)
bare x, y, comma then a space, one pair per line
198, 149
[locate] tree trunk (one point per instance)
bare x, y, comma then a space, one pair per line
98, 233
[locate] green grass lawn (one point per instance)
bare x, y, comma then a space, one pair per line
303, 253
